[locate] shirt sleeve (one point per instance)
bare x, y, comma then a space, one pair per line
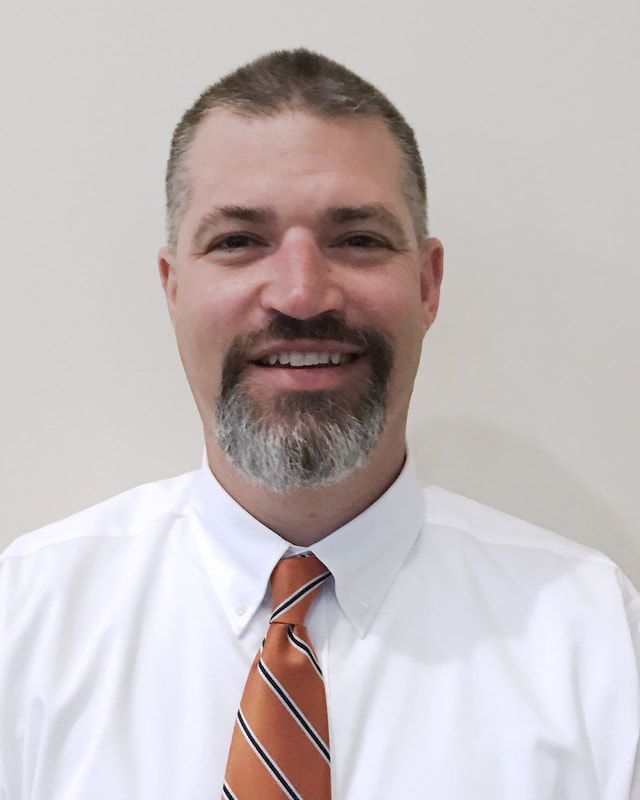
4, 756
12, 669
632, 603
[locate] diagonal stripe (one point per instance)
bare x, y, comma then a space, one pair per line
294, 598
268, 762
303, 647
280, 743
226, 791
290, 748
300, 718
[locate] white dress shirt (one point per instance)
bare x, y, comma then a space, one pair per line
467, 655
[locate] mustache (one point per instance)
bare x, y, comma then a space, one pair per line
325, 326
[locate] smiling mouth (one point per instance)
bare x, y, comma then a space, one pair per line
297, 360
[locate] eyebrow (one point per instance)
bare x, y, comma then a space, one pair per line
375, 212
242, 213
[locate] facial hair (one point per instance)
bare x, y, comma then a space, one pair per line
305, 439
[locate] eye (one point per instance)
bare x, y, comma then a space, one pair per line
234, 242
363, 241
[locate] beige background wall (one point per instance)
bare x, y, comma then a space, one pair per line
527, 114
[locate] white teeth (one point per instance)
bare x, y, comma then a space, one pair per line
296, 359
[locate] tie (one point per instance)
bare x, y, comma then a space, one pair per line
280, 743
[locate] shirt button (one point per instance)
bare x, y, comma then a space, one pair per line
241, 609
362, 608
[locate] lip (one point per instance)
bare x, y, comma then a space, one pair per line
305, 378
305, 346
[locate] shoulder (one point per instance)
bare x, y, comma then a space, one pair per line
123, 516
493, 527
83, 566
531, 555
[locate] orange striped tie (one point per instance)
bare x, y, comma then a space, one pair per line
280, 743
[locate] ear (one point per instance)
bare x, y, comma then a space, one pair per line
431, 269
167, 268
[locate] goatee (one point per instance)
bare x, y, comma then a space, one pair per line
303, 439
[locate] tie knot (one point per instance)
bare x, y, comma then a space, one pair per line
294, 583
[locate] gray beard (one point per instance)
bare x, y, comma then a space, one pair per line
303, 439
312, 439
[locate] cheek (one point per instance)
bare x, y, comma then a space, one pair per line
396, 307
198, 327
399, 313
202, 314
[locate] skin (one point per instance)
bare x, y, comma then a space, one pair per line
301, 261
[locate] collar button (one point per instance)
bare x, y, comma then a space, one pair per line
241, 609
361, 608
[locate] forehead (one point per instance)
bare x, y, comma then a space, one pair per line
293, 161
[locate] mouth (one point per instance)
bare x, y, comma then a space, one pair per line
302, 368
296, 359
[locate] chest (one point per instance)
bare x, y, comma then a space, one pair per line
417, 712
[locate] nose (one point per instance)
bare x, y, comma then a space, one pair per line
302, 281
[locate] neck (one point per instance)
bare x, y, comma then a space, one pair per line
305, 516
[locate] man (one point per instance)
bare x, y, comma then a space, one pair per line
297, 618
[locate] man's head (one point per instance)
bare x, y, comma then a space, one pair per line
293, 80
297, 234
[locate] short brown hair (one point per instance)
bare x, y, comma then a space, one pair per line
293, 79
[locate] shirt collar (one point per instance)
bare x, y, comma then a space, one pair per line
364, 556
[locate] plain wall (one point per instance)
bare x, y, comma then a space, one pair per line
527, 117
